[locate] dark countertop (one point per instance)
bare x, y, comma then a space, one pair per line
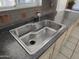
10, 48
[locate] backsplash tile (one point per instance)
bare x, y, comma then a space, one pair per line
6, 19
21, 15
1, 21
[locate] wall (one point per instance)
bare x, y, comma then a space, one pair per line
8, 18
61, 5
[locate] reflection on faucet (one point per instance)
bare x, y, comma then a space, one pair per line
39, 16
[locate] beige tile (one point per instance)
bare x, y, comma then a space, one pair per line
70, 45
75, 56
77, 49
75, 33
66, 51
73, 39
60, 56
77, 28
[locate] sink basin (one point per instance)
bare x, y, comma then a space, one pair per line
50, 24
35, 36
22, 30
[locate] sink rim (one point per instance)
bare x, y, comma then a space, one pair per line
43, 43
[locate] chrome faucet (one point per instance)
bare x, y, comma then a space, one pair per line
39, 16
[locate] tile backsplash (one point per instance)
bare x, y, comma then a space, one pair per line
15, 16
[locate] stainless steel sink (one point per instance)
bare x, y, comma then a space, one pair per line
35, 36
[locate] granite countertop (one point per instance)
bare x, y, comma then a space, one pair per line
10, 48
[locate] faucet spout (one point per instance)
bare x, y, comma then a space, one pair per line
39, 16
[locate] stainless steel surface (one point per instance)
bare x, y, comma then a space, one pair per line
36, 35
22, 30
19, 31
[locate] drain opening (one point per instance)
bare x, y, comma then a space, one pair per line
32, 42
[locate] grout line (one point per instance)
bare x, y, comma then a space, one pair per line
64, 55
74, 37
74, 50
68, 47
71, 41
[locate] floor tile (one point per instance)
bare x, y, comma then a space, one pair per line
76, 32
77, 28
60, 56
77, 49
66, 51
73, 39
70, 45
75, 35
75, 56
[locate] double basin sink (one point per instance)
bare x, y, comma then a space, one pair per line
34, 36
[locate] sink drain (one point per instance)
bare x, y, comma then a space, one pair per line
32, 42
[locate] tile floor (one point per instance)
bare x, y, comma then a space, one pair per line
70, 50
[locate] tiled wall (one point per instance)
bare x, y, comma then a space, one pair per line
15, 16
